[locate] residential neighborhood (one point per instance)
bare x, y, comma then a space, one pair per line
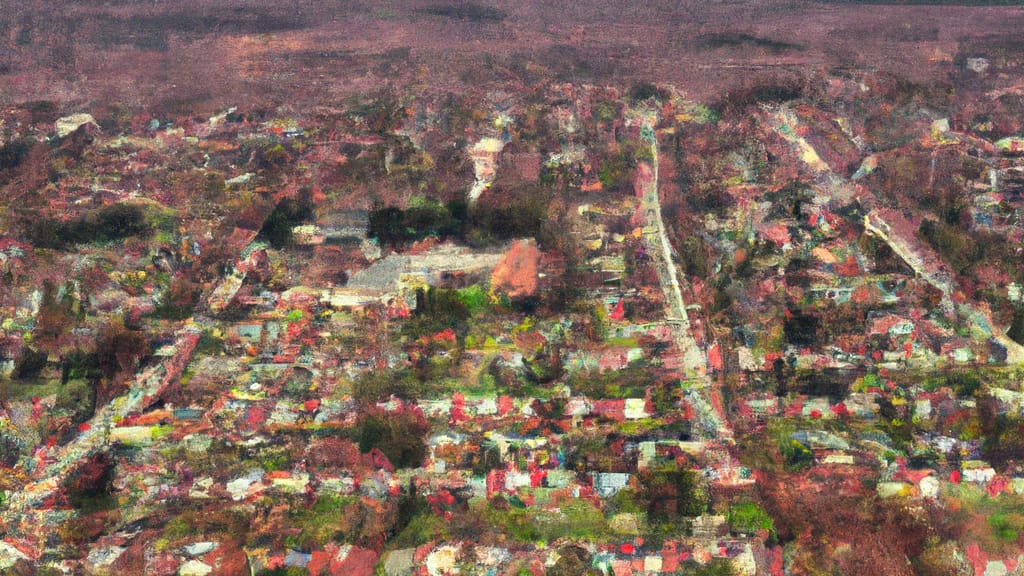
536, 328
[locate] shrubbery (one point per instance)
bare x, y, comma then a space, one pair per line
399, 435
423, 218
110, 223
501, 215
290, 212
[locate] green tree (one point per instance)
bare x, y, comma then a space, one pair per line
29, 363
424, 217
673, 494
178, 300
378, 386
1016, 330
749, 518
716, 567
645, 91
277, 228
437, 309
399, 435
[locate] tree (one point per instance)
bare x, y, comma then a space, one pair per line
114, 222
505, 212
178, 300
110, 223
955, 245
14, 153
646, 91
778, 87
749, 518
467, 11
54, 317
437, 309
273, 158
118, 352
398, 434
424, 217
76, 399
378, 386
716, 567
277, 228
10, 449
1003, 434
29, 363
617, 170
673, 494
1016, 330
415, 524
694, 255
572, 561
548, 417
801, 329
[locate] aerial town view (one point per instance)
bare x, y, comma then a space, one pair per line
437, 287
